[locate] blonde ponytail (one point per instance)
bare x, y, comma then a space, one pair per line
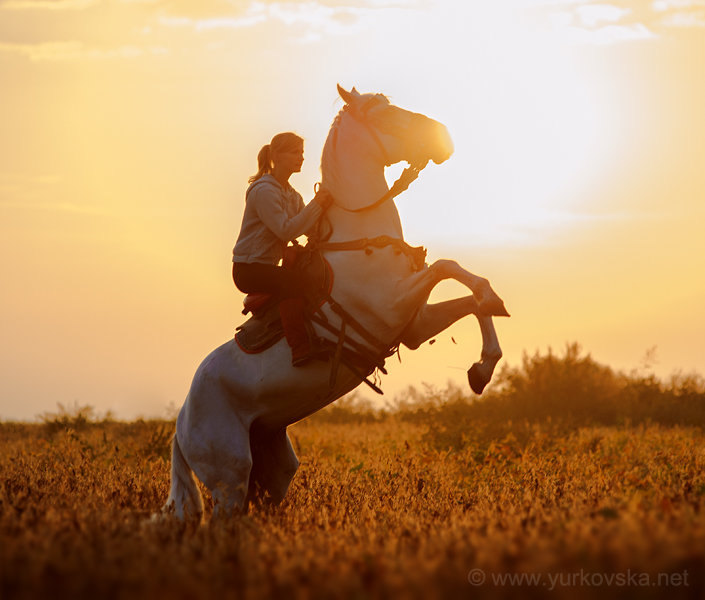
264, 163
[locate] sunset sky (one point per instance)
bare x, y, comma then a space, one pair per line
128, 129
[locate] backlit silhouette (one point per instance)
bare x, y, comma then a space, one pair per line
231, 430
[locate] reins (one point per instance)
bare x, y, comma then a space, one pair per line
407, 177
400, 185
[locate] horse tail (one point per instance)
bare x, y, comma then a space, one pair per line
185, 498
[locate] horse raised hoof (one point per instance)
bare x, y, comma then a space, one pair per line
477, 378
492, 307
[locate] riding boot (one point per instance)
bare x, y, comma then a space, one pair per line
291, 311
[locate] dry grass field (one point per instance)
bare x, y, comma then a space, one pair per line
567, 481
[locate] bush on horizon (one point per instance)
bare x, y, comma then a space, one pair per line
551, 392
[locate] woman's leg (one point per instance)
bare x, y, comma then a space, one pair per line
252, 278
255, 277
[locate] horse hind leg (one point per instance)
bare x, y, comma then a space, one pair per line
185, 498
229, 490
216, 445
274, 464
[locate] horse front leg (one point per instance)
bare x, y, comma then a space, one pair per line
489, 303
480, 374
431, 319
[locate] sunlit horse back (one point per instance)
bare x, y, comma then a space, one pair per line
231, 430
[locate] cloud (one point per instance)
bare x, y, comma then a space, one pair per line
250, 18
55, 5
663, 5
58, 30
682, 19
596, 24
75, 50
592, 15
681, 13
63, 207
317, 18
234, 9
15, 185
613, 34
39, 193
587, 22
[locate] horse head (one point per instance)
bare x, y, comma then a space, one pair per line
370, 133
398, 134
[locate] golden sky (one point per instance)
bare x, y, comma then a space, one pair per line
128, 129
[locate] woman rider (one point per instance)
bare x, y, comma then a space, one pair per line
274, 215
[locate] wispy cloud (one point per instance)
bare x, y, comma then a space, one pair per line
40, 193
614, 34
661, 5
54, 5
249, 19
14, 185
593, 15
680, 13
75, 50
62, 207
589, 22
683, 19
57, 30
317, 18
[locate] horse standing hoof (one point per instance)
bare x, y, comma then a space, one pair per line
477, 378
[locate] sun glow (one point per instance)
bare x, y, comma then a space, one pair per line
529, 133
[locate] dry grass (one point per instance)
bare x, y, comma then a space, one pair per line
395, 504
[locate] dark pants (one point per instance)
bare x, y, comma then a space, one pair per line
253, 278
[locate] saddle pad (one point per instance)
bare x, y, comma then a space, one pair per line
261, 332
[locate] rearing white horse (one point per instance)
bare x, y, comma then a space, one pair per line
231, 430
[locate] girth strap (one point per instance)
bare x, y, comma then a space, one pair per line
416, 253
380, 348
357, 352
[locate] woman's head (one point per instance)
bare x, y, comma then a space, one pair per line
285, 150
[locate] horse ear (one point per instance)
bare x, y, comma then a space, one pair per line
348, 97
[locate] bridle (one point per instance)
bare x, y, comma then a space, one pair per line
407, 176
417, 255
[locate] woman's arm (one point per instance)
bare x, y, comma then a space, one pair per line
267, 203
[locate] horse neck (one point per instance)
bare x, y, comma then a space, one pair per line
355, 179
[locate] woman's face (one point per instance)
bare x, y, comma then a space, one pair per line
291, 159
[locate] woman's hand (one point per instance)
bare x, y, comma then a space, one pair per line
323, 198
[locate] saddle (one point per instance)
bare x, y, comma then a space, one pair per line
264, 328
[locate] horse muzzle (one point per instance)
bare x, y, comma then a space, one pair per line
442, 144
432, 143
